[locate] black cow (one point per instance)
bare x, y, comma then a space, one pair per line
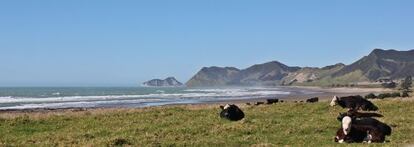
356, 115
231, 112
272, 101
384, 128
354, 103
312, 100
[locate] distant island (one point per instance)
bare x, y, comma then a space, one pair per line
379, 66
168, 82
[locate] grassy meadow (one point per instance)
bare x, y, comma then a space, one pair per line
296, 124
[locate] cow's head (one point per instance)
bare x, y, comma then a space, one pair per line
334, 101
346, 124
226, 108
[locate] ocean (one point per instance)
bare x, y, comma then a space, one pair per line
131, 97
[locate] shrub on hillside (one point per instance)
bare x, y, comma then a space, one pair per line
396, 94
371, 96
384, 95
406, 86
405, 94
389, 95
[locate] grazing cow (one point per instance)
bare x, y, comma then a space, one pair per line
354, 103
231, 112
272, 101
312, 100
355, 115
360, 133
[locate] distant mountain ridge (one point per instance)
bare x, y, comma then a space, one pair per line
168, 82
379, 64
214, 76
255, 75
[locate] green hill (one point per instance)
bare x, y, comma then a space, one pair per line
379, 64
382, 64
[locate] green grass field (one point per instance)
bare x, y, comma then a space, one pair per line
296, 124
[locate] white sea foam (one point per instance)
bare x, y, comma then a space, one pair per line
214, 90
208, 93
78, 104
51, 105
233, 89
80, 98
156, 98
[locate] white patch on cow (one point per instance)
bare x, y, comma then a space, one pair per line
341, 141
334, 101
346, 124
226, 106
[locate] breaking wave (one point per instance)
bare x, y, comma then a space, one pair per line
158, 97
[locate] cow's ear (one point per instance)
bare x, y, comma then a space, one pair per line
222, 107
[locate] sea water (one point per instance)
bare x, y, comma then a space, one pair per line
126, 97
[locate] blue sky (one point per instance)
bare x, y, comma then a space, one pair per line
123, 43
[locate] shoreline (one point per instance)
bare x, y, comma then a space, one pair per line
324, 94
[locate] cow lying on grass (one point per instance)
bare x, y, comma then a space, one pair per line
354, 103
347, 122
231, 112
271, 101
359, 134
312, 100
362, 130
